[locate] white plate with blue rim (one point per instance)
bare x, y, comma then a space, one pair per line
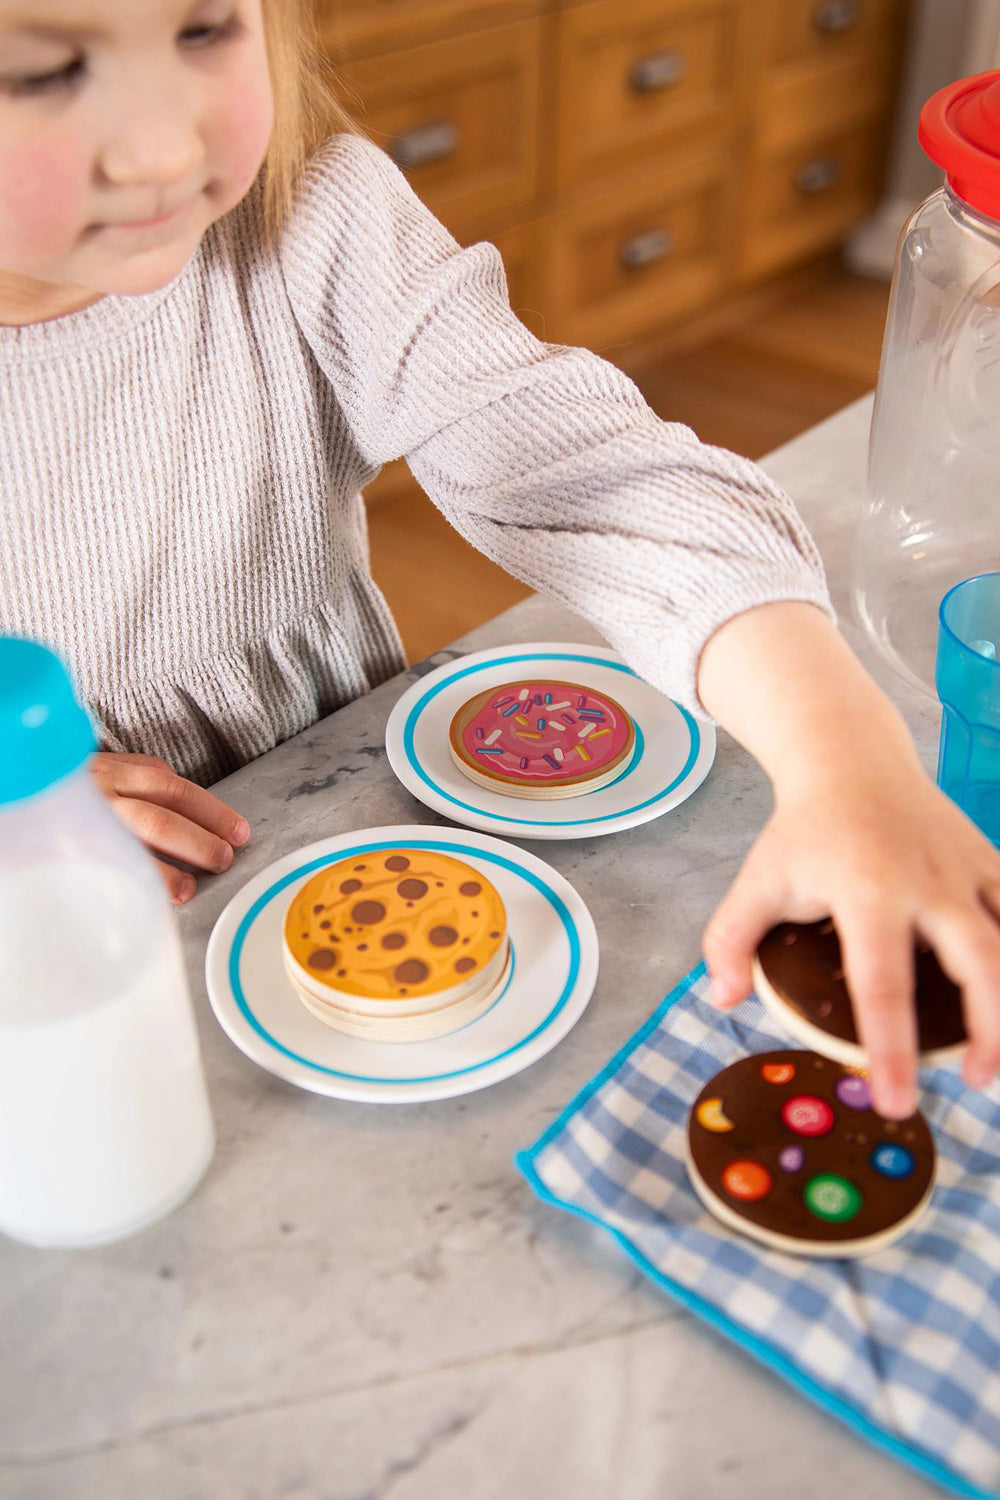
554, 969
671, 757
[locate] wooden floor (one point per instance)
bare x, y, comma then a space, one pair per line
751, 388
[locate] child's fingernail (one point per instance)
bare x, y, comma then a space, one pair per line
185, 890
224, 860
721, 994
894, 1103
976, 1076
241, 831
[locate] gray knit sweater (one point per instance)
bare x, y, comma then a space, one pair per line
181, 471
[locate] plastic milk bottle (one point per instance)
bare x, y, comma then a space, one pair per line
104, 1119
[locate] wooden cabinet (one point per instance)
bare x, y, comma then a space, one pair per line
642, 255
461, 117
635, 160
637, 77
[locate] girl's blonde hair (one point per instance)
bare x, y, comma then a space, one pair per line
306, 108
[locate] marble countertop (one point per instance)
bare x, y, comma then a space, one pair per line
363, 1303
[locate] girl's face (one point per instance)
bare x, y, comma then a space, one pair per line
127, 127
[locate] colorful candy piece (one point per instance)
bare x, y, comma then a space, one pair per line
778, 1072
855, 1093
892, 1161
791, 1158
712, 1115
807, 1115
747, 1181
832, 1198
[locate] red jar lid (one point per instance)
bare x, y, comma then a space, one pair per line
960, 131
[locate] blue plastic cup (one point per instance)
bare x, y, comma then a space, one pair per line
967, 677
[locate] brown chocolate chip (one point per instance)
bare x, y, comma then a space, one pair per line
326, 925
394, 940
470, 888
322, 958
494, 934
368, 912
411, 971
412, 890
463, 965
348, 886
397, 862
442, 937
317, 909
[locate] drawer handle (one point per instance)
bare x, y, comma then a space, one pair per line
660, 70
818, 176
836, 15
646, 248
424, 144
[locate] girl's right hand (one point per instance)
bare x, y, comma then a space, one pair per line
171, 816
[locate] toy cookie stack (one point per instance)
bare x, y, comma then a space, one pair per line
786, 1146
398, 946
542, 739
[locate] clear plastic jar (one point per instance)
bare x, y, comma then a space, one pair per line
932, 512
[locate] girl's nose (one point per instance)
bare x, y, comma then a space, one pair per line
159, 143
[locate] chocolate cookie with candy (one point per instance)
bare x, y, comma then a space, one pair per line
799, 976
786, 1148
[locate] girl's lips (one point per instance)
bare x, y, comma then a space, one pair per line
126, 228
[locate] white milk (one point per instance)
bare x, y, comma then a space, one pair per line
104, 1117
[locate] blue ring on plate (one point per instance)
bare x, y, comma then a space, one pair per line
504, 661
556, 902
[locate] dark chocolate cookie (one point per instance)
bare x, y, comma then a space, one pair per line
800, 978
786, 1147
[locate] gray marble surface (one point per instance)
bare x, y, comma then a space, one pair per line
363, 1303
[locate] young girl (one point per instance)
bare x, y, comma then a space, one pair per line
209, 344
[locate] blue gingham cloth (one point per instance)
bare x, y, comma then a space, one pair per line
903, 1344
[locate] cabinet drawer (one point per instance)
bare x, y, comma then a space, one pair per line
633, 75
356, 28
641, 257
460, 117
811, 33
828, 64
803, 200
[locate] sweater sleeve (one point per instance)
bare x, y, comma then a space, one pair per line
547, 459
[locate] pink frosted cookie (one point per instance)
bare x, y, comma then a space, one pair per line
541, 739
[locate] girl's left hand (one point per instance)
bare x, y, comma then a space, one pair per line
891, 859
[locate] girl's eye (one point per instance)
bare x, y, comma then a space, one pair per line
205, 36
45, 83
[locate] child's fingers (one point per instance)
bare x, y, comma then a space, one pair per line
180, 885
968, 947
751, 906
149, 779
168, 832
877, 949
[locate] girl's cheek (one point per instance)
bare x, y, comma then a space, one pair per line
241, 129
42, 190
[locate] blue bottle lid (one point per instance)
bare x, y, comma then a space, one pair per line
44, 732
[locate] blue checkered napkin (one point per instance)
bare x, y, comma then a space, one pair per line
904, 1344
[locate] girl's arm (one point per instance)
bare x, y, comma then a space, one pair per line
858, 832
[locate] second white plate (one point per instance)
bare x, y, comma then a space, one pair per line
673, 752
